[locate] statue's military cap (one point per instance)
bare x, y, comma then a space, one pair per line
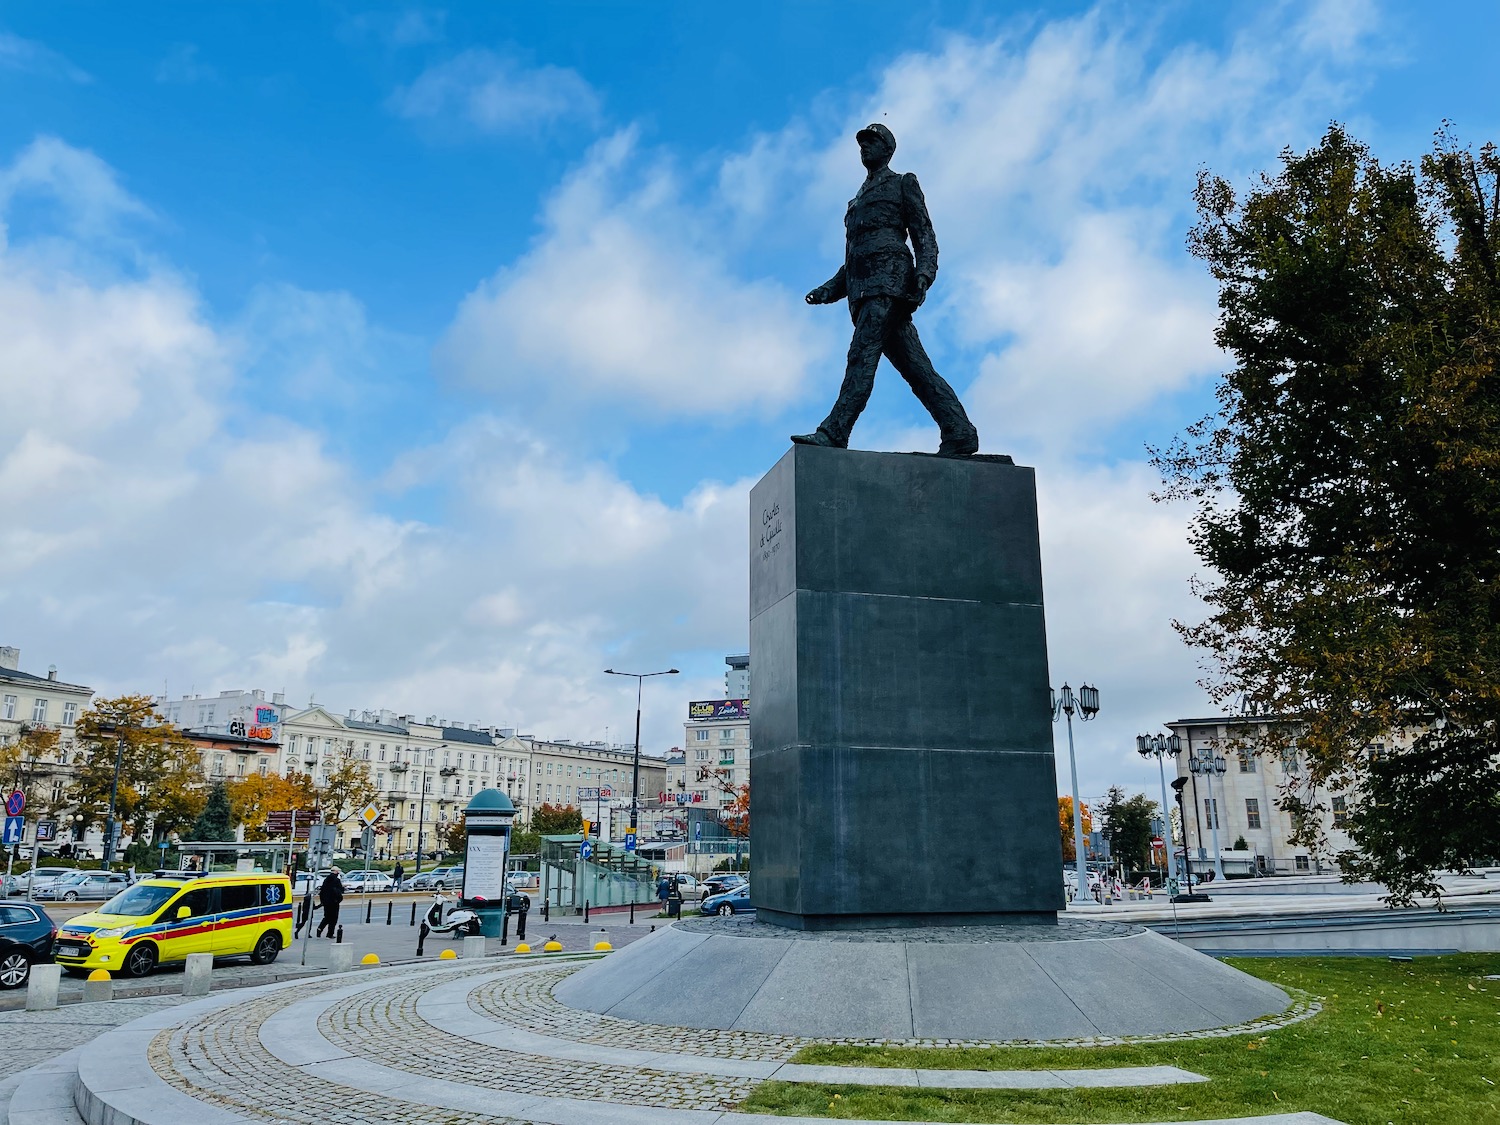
877, 130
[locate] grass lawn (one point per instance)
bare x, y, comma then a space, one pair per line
1397, 1043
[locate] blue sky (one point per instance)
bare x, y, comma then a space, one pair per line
423, 358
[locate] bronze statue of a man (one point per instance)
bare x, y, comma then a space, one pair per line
884, 287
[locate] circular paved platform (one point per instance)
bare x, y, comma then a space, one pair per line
1078, 979
484, 1042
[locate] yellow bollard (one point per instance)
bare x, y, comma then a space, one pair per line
100, 974
523, 948
370, 959
602, 947
552, 947
447, 955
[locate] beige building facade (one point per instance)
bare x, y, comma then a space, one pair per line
32, 700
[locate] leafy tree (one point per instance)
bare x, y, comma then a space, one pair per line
556, 820
252, 797
1127, 827
19, 759
216, 821
736, 814
456, 837
348, 789
526, 843
161, 771
1347, 491
1065, 823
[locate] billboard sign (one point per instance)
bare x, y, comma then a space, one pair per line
719, 709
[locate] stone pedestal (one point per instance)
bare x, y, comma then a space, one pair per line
902, 741
197, 974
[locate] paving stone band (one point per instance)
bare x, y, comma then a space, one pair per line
1067, 929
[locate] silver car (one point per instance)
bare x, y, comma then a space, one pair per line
100, 885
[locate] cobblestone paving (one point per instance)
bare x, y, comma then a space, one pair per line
219, 1060
526, 1001
1067, 929
366, 1024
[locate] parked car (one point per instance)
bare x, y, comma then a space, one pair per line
523, 880
307, 879
427, 880
41, 876
357, 882
10, 885
718, 884
736, 901
98, 885
453, 880
26, 936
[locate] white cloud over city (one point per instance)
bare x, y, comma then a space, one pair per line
212, 543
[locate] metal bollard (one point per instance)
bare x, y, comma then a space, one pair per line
545, 916
413, 914
339, 938
369, 906
421, 937
505, 928
389, 909
632, 913
585, 910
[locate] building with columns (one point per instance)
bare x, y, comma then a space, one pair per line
1242, 801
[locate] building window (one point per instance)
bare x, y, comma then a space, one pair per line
39, 711
1289, 761
411, 814
431, 757
291, 745
1301, 863
1211, 812
570, 774
701, 735
8, 707
726, 735
1252, 812
70, 714
1247, 762
365, 753
445, 757
726, 756
1340, 812
700, 755
57, 790
538, 790
218, 765
1377, 752
239, 767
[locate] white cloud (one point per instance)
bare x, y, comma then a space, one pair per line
32, 57
496, 93
625, 300
84, 188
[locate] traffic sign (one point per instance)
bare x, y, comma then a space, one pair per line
587, 849
1158, 842
15, 828
15, 804
630, 841
370, 814
46, 831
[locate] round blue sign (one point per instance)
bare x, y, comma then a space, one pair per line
15, 804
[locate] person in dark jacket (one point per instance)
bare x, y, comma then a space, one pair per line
398, 873
330, 894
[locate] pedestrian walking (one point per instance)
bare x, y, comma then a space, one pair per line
398, 873
664, 887
330, 894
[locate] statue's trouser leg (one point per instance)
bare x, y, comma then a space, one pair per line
904, 350
871, 320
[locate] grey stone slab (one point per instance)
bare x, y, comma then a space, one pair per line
1118, 1076
605, 983
1101, 981
708, 986
989, 992
1230, 995
294, 1038
846, 1075
820, 989
899, 655
41, 987
989, 1080
198, 974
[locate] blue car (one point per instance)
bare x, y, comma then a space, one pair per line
736, 901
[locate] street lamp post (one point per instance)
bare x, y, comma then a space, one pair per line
1087, 704
635, 773
114, 790
1156, 746
1208, 764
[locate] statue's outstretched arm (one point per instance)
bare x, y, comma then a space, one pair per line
919, 229
836, 288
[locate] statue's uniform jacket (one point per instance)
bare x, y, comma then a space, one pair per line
877, 263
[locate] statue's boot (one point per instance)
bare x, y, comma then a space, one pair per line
963, 443
818, 437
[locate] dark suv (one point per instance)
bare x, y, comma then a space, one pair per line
26, 935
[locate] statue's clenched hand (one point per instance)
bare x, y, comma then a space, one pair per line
818, 296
